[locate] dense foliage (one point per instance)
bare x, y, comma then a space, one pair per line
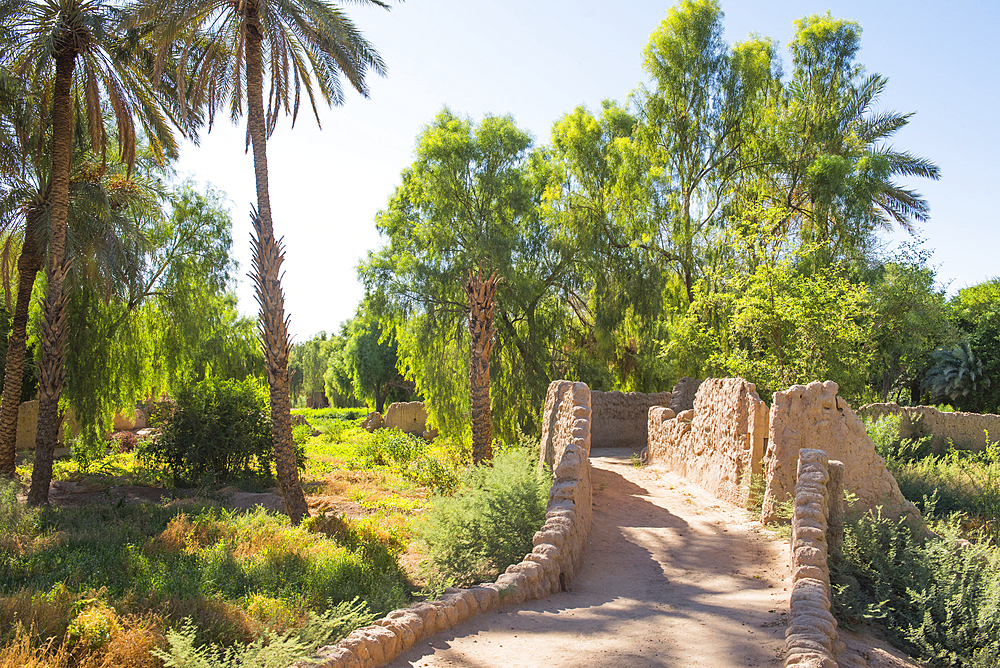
216, 428
488, 523
725, 221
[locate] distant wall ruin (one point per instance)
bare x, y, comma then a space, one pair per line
717, 445
965, 430
620, 418
27, 425
813, 416
407, 416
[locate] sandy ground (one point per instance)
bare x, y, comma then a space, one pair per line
671, 577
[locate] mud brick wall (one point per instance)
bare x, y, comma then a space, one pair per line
965, 430
811, 638
620, 418
813, 416
719, 444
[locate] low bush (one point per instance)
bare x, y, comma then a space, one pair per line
388, 447
884, 432
488, 523
218, 429
939, 598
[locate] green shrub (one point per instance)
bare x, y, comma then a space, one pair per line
489, 522
388, 447
434, 474
939, 598
884, 432
217, 429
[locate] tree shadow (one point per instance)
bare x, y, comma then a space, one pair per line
623, 591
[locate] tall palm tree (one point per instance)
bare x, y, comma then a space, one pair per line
482, 301
839, 174
87, 43
297, 44
105, 204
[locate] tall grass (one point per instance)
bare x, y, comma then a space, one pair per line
82, 578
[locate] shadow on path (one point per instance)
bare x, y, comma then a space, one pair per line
671, 577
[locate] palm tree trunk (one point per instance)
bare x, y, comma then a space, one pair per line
50, 372
267, 258
28, 266
481, 304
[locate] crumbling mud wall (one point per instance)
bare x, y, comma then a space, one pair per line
407, 416
547, 569
965, 430
719, 444
813, 416
620, 418
811, 637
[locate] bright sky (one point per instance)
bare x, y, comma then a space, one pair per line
538, 61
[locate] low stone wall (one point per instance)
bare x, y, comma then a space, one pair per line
27, 426
811, 637
546, 570
620, 418
813, 416
719, 444
966, 430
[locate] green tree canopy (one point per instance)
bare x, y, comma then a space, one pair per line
472, 198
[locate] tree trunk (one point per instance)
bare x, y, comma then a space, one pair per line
28, 266
51, 373
267, 258
481, 304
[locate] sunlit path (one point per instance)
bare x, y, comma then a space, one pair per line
671, 577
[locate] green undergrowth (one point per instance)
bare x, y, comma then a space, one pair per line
488, 523
962, 479
937, 596
236, 576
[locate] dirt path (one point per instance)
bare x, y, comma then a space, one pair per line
671, 577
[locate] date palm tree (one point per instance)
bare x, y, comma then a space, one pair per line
230, 47
70, 52
105, 204
482, 300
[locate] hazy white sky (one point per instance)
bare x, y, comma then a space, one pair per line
537, 61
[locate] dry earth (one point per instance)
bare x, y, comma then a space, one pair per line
671, 577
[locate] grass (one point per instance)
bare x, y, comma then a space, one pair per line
107, 583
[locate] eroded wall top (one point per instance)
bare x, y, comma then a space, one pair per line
814, 416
